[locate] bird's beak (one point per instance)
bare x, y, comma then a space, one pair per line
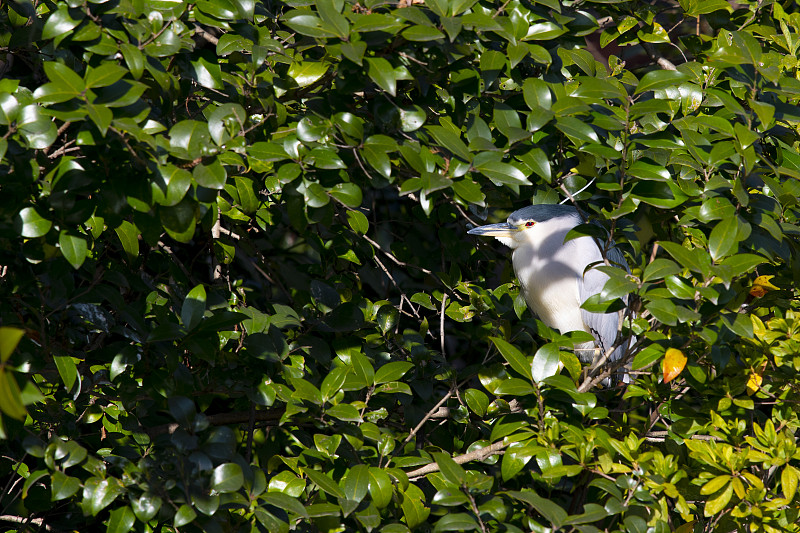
495, 230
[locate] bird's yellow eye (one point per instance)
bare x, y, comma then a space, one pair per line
529, 224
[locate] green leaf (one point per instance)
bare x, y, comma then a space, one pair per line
51, 93
383, 74
375, 151
469, 191
414, 510
392, 371
9, 107
194, 306
647, 171
577, 129
545, 362
306, 73
264, 151
303, 390
513, 356
477, 401
323, 482
185, 515
514, 387
501, 173
664, 311
325, 158
715, 484
120, 520
740, 264
67, 369
305, 23
660, 79
146, 506
723, 239
660, 268
647, 355
422, 33
515, 458
190, 139
101, 116
347, 193
104, 75
704, 7
789, 481
64, 77
547, 508
30, 224
356, 483
412, 118
60, 23
211, 175
226, 477
107, 491
73, 248
380, 487
455, 522
358, 222
285, 502
9, 339
716, 505
451, 141
128, 235
716, 208
363, 369
661, 194
133, 58
333, 382
537, 160
345, 412
207, 74
10, 396
206, 504
63, 486
452, 471
537, 94
332, 18
694, 259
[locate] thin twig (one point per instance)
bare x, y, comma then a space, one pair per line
158, 33
395, 259
205, 35
223, 419
441, 325
427, 417
476, 455
39, 522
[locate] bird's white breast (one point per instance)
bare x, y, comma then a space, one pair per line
542, 265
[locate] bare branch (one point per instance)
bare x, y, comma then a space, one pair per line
478, 455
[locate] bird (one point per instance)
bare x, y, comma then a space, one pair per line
556, 277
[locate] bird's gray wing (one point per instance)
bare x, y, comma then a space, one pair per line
602, 325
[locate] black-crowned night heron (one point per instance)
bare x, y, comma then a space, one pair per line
555, 276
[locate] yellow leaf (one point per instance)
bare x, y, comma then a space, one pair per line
759, 330
762, 285
717, 504
673, 364
754, 383
715, 484
789, 479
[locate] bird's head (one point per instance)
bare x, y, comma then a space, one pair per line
515, 230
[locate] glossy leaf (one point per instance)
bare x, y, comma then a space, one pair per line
673, 364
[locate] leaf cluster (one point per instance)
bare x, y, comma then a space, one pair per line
238, 294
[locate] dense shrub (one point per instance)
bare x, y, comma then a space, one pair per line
237, 290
